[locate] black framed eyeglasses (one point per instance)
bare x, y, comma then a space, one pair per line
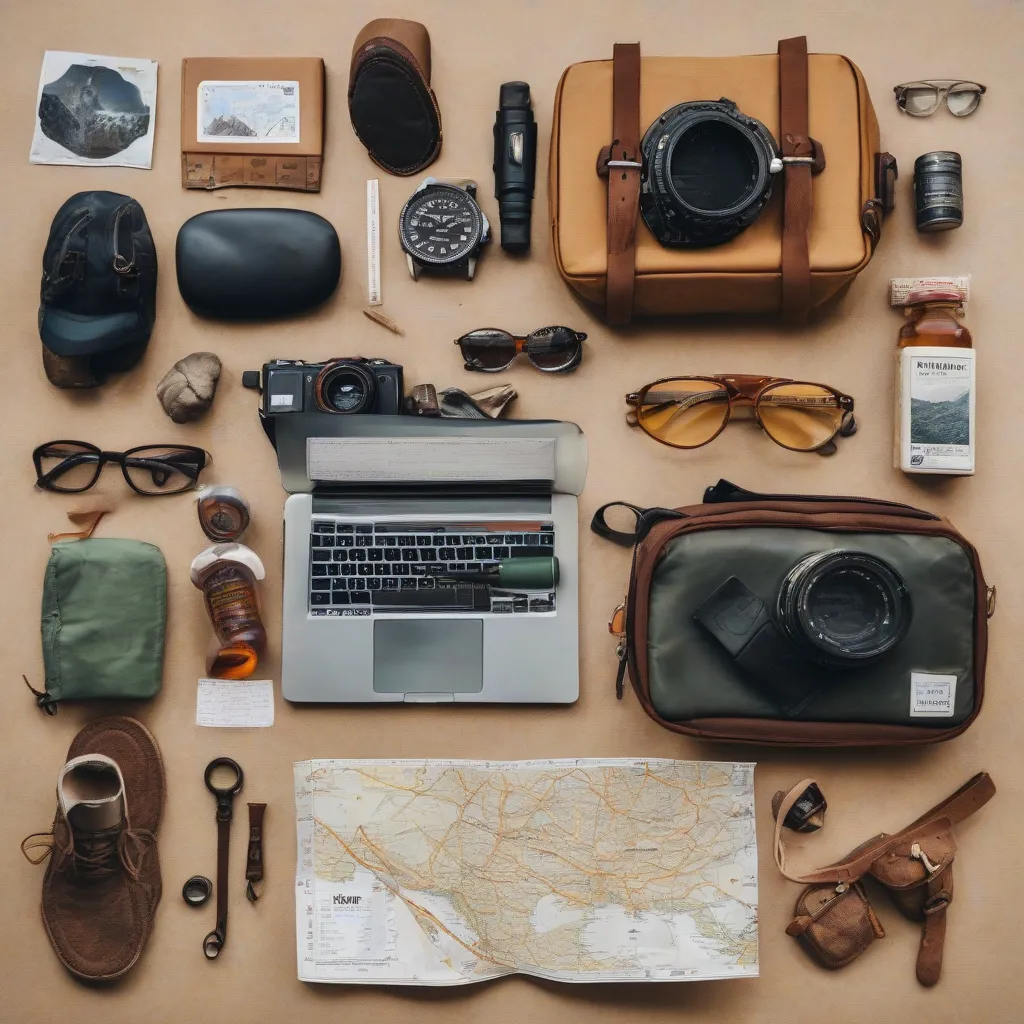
551, 349
922, 99
70, 467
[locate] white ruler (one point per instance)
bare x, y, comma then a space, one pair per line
373, 241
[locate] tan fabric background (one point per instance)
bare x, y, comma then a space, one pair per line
476, 47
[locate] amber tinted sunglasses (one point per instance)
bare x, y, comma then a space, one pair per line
688, 412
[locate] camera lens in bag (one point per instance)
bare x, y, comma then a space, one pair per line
708, 171
844, 608
345, 387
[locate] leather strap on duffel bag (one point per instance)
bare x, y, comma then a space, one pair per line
621, 164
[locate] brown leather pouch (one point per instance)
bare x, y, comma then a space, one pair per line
834, 920
835, 923
393, 109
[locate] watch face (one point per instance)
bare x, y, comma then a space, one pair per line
441, 225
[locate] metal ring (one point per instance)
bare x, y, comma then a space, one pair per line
213, 944
197, 890
225, 762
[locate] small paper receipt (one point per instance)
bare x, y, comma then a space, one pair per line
235, 703
932, 696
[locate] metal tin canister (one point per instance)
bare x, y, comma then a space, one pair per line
939, 191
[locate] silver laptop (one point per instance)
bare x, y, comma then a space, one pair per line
388, 515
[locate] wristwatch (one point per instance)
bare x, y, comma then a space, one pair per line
442, 228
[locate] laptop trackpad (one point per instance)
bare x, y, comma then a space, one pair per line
428, 655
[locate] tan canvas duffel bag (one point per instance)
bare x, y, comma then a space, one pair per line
816, 234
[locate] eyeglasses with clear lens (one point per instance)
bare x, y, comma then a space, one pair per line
71, 467
689, 412
551, 349
922, 99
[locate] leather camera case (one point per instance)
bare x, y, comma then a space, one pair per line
685, 679
817, 233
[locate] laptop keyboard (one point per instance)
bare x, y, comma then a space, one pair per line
359, 568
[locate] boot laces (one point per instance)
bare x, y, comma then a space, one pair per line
92, 855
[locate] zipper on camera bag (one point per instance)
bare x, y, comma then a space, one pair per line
726, 491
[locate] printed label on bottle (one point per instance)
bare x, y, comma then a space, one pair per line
937, 410
232, 606
932, 696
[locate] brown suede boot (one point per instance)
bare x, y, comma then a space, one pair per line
102, 884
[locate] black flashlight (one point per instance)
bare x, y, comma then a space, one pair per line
515, 164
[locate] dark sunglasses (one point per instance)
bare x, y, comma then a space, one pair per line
71, 467
922, 99
689, 412
551, 349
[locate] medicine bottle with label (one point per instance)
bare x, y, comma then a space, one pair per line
935, 387
227, 575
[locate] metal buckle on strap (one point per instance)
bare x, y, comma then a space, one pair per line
605, 162
937, 904
798, 146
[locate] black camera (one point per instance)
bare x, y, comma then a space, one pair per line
833, 610
707, 173
343, 386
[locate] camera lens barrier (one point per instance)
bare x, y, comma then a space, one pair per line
844, 608
346, 388
799, 416
713, 167
684, 412
707, 176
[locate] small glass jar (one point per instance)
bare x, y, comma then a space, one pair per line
935, 376
933, 318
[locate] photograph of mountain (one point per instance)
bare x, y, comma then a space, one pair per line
94, 110
941, 422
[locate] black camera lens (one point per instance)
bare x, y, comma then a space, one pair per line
713, 167
707, 175
844, 608
345, 387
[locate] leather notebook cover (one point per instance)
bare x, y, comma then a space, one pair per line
256, 121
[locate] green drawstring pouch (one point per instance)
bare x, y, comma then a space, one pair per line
104, 615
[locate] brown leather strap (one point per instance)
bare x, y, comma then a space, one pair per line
214, 942
795, 141
623, 183
254, 857
933, 934
971, 796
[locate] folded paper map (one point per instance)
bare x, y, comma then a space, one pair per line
448, 872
